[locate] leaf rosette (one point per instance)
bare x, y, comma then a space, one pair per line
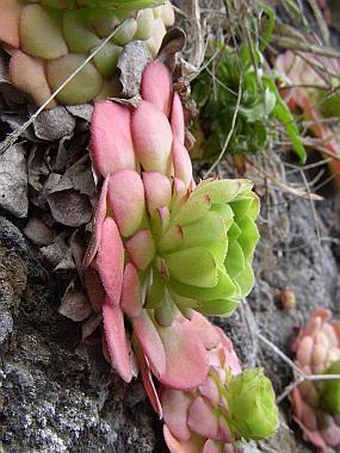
316, 405
164, 247
49, 39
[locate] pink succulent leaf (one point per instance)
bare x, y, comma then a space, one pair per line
177, 119
230, 354
131, 300
208, 333
182, 162
152, 138
10, 21
186, 356
149, 383
210, 391
111, 141
110, 261
193, 445
316, 405
126, 197
116, 341
176, 406
202, 420
156, 86
98, 224
28, 74
150, 342
158, 190
141, 248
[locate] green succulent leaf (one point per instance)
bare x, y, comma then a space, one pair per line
225, 287
195, 266
221, 307
330, 390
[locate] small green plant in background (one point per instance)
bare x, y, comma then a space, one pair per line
239, 101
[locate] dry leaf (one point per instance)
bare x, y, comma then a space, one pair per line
132, 61
37, 231
75, 304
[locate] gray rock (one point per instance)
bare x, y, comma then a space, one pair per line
13, 181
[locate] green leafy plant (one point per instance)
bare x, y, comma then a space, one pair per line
239, 104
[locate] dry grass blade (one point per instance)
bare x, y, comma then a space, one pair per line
294, 191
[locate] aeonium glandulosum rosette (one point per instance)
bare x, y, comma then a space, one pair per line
316, 405
163, 247
220, 414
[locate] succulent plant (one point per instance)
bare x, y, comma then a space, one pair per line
316, 405
162, 246
48, 40
308, 90
227, 407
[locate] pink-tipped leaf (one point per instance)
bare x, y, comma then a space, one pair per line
126, 197
116, 341
158, 190
141, 248
152, 137
111, 141
177, 119
156, 86
9, 22
110, 261
131, 300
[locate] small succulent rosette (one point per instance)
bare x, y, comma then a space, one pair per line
316, 405
163, 247
318, 98
49, 39
227, 410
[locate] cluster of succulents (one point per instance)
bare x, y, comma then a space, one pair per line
163, 245
316, 404
167, 251
230, 407
314, 92
49, 40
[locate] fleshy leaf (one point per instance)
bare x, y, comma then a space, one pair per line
9, 22
131, 300
156, 86
150, 343
224, 288
28, 74
141, 249
219, 191
175, 407
40, 35
177, 119
126, 195
111, 141
181, 348
194, 266
158, 190
110, 260
116, 340
152, 137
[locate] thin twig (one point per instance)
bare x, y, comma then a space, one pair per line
301, 375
